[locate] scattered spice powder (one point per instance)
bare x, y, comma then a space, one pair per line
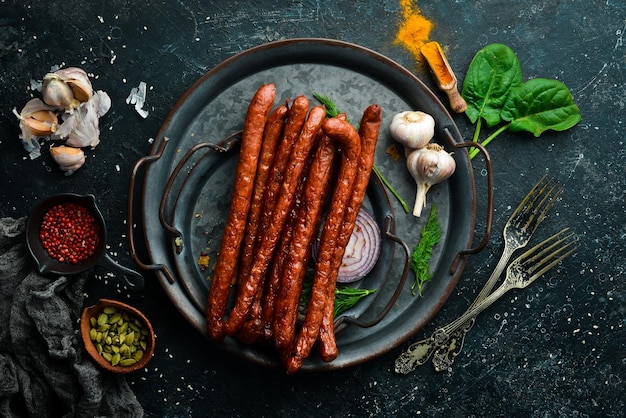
393, 152
414, 29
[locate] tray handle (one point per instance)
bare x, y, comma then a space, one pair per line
224, 145
489, 217
344, 320
131, 192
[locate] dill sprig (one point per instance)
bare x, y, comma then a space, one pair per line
331, 108
347, 297
422, 251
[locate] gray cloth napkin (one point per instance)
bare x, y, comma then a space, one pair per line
44, 371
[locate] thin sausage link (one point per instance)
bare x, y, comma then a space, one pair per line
350, 145
271, 136
293, 126
267, 246
254, 125
368, 132
273, 280
314, 195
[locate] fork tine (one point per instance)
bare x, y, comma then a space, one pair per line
547, 255
523, 204
533, 208
546, 203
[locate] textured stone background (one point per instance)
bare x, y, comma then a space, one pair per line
554, 349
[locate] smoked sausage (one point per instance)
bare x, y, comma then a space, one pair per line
368, 132
350, 144
252, 137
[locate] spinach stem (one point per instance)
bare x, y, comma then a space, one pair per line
475, 151
391, 189
475, 137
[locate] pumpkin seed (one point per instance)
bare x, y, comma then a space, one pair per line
120, 338
128, 362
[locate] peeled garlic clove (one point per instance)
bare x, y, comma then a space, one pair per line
69, 159
428, 166
56, 92
79, 82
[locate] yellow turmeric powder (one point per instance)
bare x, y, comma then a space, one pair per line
433, 55
414, 29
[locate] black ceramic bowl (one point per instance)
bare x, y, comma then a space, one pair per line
48, 264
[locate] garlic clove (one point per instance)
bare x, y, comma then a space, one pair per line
42, 123
69, 159
78, 80
38, 118
428, 166
56, 92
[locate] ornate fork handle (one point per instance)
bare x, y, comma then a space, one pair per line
522, 272
517, 233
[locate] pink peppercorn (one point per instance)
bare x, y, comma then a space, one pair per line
69, 233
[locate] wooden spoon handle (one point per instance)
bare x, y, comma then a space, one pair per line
457, 102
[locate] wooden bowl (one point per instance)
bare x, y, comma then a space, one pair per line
91, 344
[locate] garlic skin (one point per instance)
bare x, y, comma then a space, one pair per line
81, 127
413, 129
428, 166
37, 119
69, 159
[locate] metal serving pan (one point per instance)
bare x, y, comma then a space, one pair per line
353, 77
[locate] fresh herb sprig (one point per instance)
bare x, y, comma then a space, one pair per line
331, 108
422, 251
495, 94
345, 297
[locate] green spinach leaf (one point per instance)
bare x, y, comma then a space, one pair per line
540, 104
492, 74
494, 92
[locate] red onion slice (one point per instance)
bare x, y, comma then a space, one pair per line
362, 251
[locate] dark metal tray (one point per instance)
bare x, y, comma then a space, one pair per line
215, 106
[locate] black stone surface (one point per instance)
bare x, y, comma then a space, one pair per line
554, 349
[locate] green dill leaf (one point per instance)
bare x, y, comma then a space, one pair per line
422, 251
331, 108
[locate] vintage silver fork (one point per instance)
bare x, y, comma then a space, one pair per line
518, 230
524, 270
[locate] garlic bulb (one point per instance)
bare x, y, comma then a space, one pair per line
37, 119
428, 166
69, 159
413, 129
